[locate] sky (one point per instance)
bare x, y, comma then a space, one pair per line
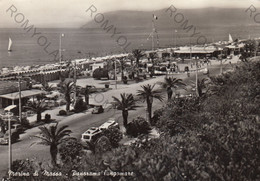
69, 13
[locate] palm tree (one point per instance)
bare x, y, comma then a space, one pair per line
153, 56
87, 91
47, 87
138, 54
38, 107
201, 84
53, 137
169, 83
126, 103
123, 66
148, 94
67, 88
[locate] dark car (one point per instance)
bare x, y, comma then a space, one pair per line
186, 69
98, 109
5, 139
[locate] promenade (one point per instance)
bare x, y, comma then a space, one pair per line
105, 98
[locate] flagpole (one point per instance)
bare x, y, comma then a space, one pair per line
153, 35
60, 53
175, 37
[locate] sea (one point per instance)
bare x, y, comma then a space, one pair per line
28, 50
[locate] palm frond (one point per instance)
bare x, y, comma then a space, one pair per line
45, 132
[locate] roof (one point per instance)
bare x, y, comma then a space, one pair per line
26, 93
194, 51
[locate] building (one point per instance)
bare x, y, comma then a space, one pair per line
197, 51
9, 93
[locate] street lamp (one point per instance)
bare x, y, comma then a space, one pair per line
61, 35
115, 60
9, 108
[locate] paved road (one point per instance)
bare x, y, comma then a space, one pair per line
80, 123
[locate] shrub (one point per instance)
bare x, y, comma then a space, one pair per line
102, 145
70, 149
62, 113
25, 123
114, 135
156, 116
100, 73
80, 106
47, 118
137, 127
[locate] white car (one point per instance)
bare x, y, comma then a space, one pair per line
91, 135
205, 71
110, 123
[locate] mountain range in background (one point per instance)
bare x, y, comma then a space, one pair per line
205, 17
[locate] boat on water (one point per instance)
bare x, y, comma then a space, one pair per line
10, 45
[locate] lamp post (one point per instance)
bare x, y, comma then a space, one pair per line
9, 108
196, 83
115, 71
115, 76
75, 81
61, 35
20, 99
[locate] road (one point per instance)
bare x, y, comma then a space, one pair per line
26, 147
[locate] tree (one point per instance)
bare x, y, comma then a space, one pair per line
114, 135
87, 91
153, 56
47, 87
53, 137
148, 94
70, 150
123, 66
67, 88
169, 83
38, 107
138, 54
201, 84
139, 126
126, 103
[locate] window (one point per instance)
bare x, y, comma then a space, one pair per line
86, 137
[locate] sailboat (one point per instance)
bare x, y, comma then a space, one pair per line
10, 45
230, 39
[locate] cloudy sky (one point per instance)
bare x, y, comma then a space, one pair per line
68, 13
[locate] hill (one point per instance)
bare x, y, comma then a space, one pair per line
206, 17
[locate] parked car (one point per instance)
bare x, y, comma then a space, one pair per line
5, 139
91, 135
110, 123
186, 69
205, 71
98, 109
17, 128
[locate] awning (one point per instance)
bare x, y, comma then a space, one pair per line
25, 93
